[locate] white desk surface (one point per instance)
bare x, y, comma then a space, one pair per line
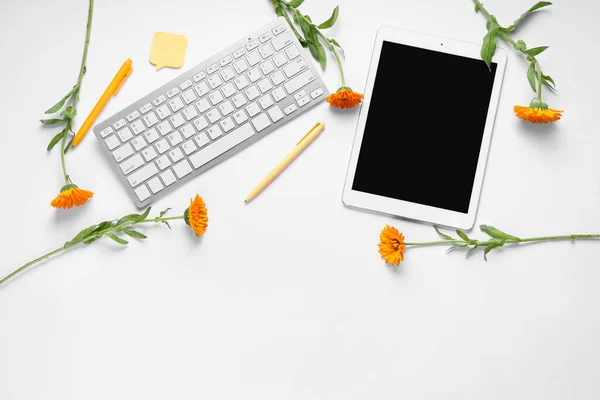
287, 298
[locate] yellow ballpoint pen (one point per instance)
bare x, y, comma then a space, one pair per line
111, 90
302, 144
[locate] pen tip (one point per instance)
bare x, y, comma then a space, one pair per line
245, 201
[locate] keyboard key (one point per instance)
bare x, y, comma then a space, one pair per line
227, 74
212, 69
159, 100
299, 95
142, 175
176, 104
278, 94
266, 51
199, 76
240, 117
227, 124
241, 82
219, 147
190, 113
138, 143
215, 97
173, 92
213, 115
138, 127
253, 58
281, 41
142, 193
163, 111
265, 37
252, 45
214, 81
203, 105
125, 134
202, 89
267, 67
164, 128
238, 100
182, 169
202, 139
151, 135
155, 185
122, 152
163, 162
316, 93
299, 81
214, 132
278, 29
131, 164
228, 90
167, 177
252, 93
145, 108
119, 124
226, 108
177, 120
150, 119
225, 61
189, 147
239, 52
290, 109
265, 101
149, 153
133, 116
265, 85
240, 66
176, 154
254, 75
261, 122
107, 131
189, 96
275, 113
303, 101
200, 123
186, 84
162, 146
292, 52
279, 59
175, 138
188, 131
252, 109
294, 67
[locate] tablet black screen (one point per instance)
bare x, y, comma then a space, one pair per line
424, 127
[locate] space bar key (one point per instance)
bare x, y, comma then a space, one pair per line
220, 146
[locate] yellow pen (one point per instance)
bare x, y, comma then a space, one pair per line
111, 90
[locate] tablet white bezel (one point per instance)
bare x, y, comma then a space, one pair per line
414, 211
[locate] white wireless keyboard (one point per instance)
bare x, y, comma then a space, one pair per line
210, 112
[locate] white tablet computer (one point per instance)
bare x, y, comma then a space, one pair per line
424, 128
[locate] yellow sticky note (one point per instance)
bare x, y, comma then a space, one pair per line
168, 50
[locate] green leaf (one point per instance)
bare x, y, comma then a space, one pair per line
60, 103
548, 81
520, 45
103, 225
531, 75
69, 112
81, 235
331, 21
116, 238
69, 144
535, 51
144, 215
489, 43
296, 3
91, 240
56, 139
487, 250
163, 213
134, 218
535, 7
477, 8
442, 235
278, 9
53, 121
338, 45
471, 250
496, 233
463, 236
134, 234
318, 52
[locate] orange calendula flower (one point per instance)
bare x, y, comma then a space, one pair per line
345, 98
71, 196
195, 216
392, 245
538, 113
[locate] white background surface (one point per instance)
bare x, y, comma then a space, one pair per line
287, 298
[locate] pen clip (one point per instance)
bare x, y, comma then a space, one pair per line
309, 132
122, 81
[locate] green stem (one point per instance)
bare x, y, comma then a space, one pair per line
94, 236
539, 81
286, 6
75, 95
336, 54
509, 241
